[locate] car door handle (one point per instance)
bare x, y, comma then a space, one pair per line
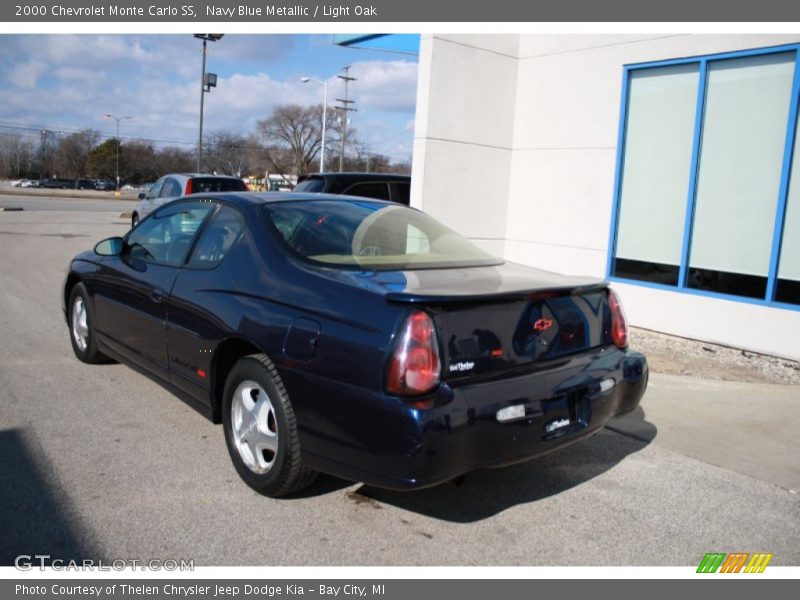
157, 295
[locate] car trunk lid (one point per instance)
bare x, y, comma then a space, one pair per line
489, 337
495, 319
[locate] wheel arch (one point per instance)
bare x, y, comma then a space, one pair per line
69, 284
226, 354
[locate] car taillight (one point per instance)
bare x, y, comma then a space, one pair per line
619, 326
246, 187
414, 366
188, 187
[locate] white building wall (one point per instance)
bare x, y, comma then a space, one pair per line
565, 138
515, 146
463, 133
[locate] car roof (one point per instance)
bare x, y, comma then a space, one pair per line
257, 198
196, 175
353, 176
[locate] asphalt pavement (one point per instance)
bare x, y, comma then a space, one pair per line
99, 461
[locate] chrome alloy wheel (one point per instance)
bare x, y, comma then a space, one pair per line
254, 427
80, 326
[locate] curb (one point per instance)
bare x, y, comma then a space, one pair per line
63, 194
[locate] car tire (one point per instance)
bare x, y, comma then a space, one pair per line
261, 429
134, 220
81, 327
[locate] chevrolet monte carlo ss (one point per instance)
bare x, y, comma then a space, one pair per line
353, 337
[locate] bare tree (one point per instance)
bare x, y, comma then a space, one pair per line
293, 137
172, 160
72, 154
255, 156
45, 155
279, 161
16, 155
402, 167
226, 153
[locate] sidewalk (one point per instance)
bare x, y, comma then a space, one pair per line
750, 428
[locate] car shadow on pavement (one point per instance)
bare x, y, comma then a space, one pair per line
36, 517
487, 492
324, 484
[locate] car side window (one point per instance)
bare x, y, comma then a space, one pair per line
401, 192
378, 190
171, 189
220, 234
165, 238
154, 191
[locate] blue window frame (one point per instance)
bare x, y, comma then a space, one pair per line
683, 277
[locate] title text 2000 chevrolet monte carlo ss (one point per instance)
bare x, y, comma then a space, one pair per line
353, 337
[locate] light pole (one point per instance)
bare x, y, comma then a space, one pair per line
207, 81
117, 119
324, 84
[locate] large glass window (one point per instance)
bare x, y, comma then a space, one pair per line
788, 284
702, 173
744, 132
655, 176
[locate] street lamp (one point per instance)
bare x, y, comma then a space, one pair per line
207, 81
117, 119
324, 119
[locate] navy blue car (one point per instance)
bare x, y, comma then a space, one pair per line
353, 337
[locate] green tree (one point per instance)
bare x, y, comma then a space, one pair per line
102, 161
140, 162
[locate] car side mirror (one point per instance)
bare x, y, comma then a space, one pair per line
141, 195
109, 247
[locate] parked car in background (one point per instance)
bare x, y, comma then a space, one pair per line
85, 184
105, 185
354, 337
57, 183
23, 183
175, 185
380, 186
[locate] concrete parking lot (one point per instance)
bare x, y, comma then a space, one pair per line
99, 461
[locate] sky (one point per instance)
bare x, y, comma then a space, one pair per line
68, 82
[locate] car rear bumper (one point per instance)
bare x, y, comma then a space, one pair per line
392, 445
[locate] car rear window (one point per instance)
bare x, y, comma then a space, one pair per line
371, 235
203, 185
377, 190
312, 185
